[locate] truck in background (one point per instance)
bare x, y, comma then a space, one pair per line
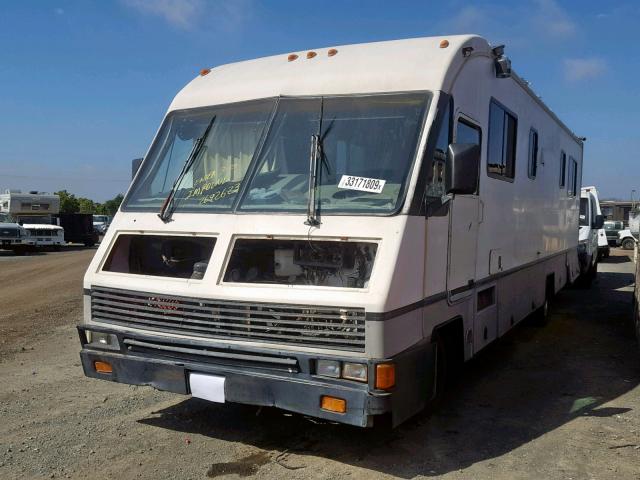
14, 236
101, 223
78, 227
590, 224
46, 236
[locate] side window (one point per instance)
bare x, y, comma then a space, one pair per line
573, 177
533, 153
563, 169
435, 185
594, 210
501, 154
466, 132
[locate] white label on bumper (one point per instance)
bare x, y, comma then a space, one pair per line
207, 387
364, 184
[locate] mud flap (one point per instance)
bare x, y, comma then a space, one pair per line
415, 382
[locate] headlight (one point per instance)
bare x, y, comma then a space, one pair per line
355, 371
103, 340
328, 368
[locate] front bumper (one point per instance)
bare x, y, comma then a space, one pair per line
252, 376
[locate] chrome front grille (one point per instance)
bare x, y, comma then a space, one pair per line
313, 326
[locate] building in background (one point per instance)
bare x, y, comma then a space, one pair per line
617, 210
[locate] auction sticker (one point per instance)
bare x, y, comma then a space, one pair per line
364, 184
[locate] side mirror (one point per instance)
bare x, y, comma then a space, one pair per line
463, 168
598, 223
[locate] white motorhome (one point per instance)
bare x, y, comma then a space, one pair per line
331, 231
591, 232
18, 203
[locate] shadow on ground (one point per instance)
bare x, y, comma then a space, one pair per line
530, 382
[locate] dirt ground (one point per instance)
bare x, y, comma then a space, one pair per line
557, 402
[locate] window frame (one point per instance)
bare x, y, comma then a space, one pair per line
470, 123
572, 184
576, 187
510, 112
563, 169
533, 155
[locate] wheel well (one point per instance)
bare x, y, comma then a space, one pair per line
550, 286
452, 332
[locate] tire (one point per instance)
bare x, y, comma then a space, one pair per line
541, 315
628, 244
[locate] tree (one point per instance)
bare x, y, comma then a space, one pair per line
111, 206
86, 205
68, 202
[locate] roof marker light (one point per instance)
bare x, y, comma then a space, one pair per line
311, 54
332, 52
444, 43
205, 71
292, 57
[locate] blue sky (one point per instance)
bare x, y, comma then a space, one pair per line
85, 84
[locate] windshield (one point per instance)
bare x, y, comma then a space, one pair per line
214, 178
6, 218
368, 144
611, 226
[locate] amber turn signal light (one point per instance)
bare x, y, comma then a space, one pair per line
102, 367
385, 376
205, 71
333, 404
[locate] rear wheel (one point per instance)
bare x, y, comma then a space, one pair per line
541, 315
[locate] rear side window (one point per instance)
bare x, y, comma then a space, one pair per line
501, 155
573, 177
533, 153
563, 169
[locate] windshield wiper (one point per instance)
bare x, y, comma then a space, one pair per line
312, 214
169, 204
317, 153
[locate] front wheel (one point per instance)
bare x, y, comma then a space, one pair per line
628, 244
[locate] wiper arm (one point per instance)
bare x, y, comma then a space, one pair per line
317, 153
312, 214
169, 204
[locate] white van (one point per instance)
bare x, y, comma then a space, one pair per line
590, 233
332, 231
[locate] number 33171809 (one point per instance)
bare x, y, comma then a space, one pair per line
364, 184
